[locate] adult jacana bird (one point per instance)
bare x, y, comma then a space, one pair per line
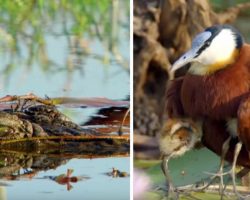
217, 84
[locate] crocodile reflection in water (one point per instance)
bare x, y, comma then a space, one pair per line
20, 166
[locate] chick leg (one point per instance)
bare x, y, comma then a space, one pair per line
166, 172
170, 187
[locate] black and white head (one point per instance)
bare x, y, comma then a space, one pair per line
213, 49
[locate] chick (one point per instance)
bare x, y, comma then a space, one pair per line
176, 137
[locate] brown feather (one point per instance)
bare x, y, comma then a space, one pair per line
213, 137
244, 122
174, 106
226, 89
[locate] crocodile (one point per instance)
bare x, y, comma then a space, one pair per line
44, 126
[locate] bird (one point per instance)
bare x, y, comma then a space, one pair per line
218, 77
218, 129
216, 85
179, 135
176, 137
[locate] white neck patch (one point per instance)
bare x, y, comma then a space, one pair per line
221, 48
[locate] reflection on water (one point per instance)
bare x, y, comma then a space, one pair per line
72, 49
45, 177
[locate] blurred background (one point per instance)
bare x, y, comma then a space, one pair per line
163, 30
73, 47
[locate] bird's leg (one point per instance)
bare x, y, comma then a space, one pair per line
170, 187
236, 154
225, 148
120, 132
232, 171
220, 174
237, 150
69, 172
166, 172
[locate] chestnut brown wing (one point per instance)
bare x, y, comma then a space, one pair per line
244, 122
174, 106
